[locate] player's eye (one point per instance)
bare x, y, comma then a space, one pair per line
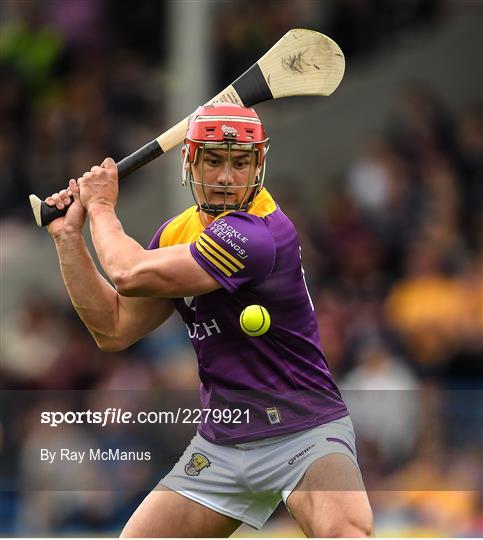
242, 163
213, 162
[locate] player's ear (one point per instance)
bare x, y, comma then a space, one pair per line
184, 151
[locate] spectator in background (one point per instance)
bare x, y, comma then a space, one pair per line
38, 329
432, 310
470, 166
382, 395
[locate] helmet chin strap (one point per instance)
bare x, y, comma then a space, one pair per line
217, 209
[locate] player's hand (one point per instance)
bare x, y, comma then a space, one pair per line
74, 219
99, 185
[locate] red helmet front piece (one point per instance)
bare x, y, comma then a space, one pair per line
225, 123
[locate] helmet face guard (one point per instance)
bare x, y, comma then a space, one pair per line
229, 128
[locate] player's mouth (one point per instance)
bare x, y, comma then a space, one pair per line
224, 193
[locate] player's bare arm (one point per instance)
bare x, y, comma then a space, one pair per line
135, 271
114, 321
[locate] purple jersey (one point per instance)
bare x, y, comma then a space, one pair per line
281, 377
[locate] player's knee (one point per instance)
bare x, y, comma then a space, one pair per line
125, 533
342, 531
131, 530
348, 527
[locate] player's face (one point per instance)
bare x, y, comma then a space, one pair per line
224, 177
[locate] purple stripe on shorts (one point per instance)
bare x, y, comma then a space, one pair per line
334, 439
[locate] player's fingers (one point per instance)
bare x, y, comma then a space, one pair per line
74, 189
58, 201
108, 163
64, 196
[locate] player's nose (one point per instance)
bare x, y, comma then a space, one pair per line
225, 174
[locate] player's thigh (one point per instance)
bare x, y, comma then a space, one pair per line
165, 513
331, 500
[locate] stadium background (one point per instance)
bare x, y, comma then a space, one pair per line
384, 181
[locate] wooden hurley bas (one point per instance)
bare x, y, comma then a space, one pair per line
302, 63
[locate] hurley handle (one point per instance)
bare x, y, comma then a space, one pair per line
45, 214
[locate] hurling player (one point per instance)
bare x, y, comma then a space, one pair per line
233, 248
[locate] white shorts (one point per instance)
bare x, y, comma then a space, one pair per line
247, 481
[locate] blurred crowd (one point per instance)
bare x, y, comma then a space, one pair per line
396, 259
393, 255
